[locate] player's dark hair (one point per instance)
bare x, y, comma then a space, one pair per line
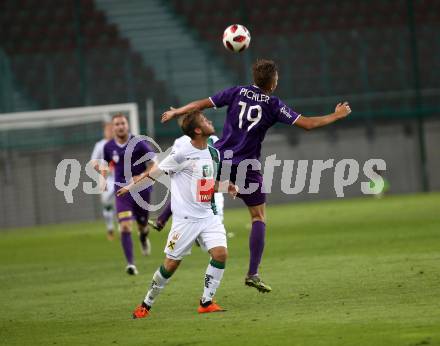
264, 72
119, 115
190, 122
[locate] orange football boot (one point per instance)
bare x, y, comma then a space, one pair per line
213, 307
140, 312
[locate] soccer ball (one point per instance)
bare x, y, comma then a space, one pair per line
236, 38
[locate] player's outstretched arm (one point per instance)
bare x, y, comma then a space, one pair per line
198, 105
149, 176
226, 187
151, 169
313, 122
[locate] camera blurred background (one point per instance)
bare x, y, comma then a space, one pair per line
383, 56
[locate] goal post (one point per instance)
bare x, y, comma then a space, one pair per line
32, 144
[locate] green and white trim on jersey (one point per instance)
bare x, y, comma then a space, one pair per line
216, 163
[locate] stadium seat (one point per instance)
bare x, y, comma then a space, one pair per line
35, 32
364, 19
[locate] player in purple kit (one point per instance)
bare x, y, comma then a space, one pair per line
126, 207
252, 110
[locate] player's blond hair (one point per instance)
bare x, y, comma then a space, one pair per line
190, 122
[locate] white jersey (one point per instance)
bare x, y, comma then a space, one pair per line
98, 154
193, 173
186, 139
219, 198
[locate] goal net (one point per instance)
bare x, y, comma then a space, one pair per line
31, 146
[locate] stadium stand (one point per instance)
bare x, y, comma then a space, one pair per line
11, 97
86, 52
336, 48
41, 39
163, 42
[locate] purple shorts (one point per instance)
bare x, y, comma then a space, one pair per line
256, 196
128, 209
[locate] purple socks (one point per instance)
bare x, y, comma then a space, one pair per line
256, 246
127, 245
165, 215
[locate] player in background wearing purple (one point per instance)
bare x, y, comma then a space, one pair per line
251, 111
126, 207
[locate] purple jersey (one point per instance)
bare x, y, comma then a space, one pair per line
114, 154
250, 114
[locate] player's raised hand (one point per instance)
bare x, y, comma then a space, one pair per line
342, 109
233, 190
168, 115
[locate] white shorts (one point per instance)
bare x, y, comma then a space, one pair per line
209, 232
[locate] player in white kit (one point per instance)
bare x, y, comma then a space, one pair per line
107, 196
192, 168
165, 215
218, 197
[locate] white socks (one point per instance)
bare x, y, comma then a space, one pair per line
107, 213
160, 279
213, 276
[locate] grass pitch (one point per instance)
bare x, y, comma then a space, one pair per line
346, 272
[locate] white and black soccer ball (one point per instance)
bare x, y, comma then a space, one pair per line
236, 38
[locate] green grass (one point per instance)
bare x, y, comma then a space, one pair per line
346, 272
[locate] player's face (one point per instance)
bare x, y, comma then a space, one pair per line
120, 127
206, 126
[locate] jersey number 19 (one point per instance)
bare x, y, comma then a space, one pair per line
253, 114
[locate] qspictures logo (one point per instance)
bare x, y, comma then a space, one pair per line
306, 177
